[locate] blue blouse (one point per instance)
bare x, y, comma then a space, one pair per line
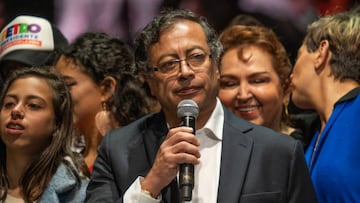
334, 163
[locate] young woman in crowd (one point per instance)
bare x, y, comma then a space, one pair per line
36, 161
98, 70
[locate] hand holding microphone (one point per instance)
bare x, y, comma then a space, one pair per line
179, 147
187, 111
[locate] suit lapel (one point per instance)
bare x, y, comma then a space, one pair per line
153, 137
145, 147
235, 144
143, 152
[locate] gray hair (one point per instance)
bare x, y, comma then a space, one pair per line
151, 34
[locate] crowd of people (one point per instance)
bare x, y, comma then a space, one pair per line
96, 119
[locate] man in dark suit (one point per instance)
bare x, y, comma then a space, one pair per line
235, 161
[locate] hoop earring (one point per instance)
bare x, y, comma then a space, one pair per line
103, 120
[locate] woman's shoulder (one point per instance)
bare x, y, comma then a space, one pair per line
67, 184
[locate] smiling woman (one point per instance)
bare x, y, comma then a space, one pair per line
36, 162
254, 74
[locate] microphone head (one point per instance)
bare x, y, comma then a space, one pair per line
187, 107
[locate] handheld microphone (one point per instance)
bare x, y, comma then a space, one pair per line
187, 111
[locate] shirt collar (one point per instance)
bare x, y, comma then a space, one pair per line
350, 95
214, 126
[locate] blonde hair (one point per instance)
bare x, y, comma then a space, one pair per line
341, 30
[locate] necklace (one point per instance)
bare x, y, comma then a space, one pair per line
314, 149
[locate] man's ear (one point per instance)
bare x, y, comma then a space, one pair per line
108, 86
323, 55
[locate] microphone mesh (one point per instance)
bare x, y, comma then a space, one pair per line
187, 107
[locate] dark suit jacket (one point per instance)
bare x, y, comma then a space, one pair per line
257, 164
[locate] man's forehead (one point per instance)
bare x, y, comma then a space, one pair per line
182, 37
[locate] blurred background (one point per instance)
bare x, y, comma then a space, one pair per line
122, 18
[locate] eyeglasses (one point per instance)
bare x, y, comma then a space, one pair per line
194, 61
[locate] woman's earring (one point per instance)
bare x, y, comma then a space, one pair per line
103, 120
